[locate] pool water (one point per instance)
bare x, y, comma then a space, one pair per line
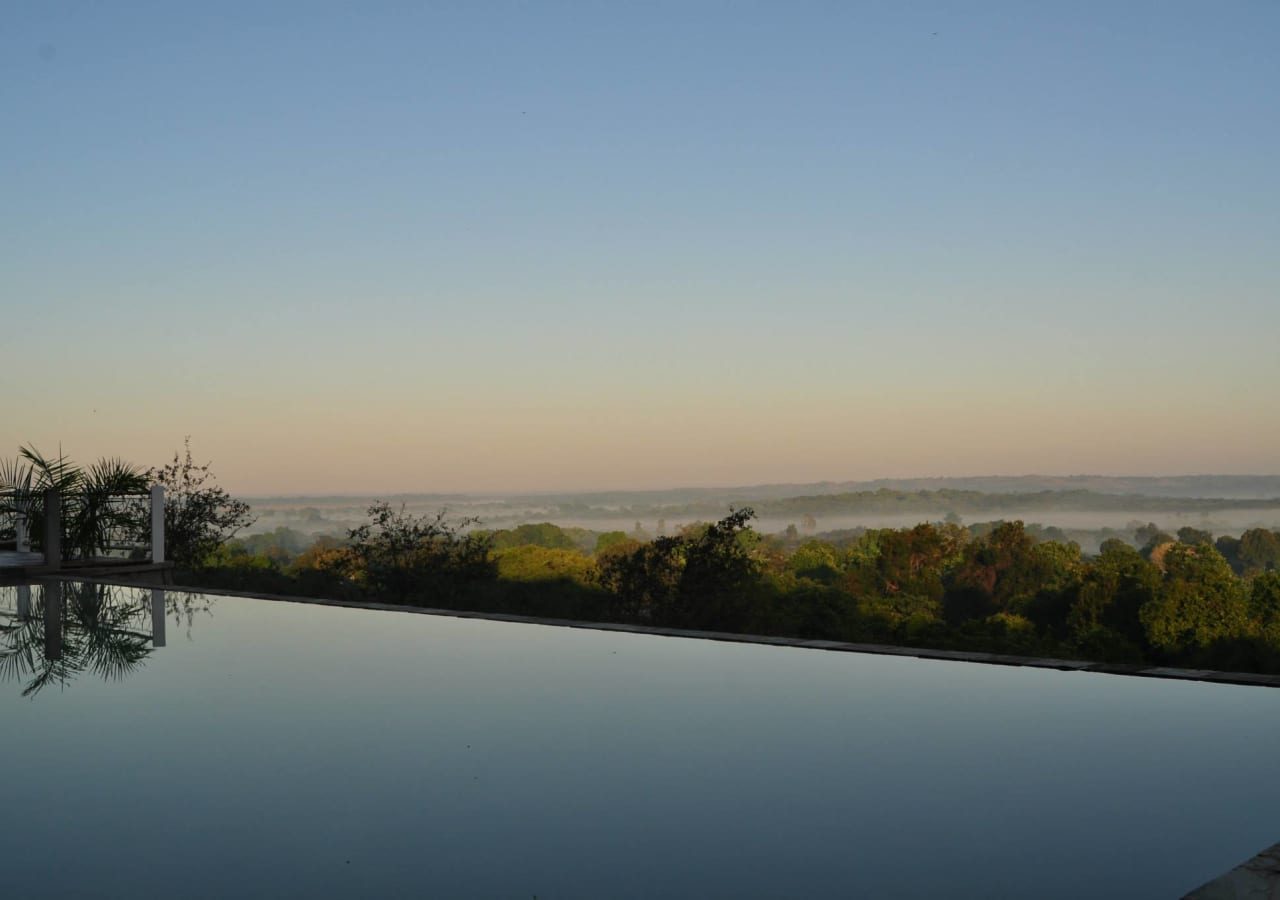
168, 744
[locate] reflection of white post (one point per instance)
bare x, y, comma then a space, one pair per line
24, 601
22, 540
157, 523
157, 617
53, 620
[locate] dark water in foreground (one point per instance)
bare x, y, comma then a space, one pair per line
270, 749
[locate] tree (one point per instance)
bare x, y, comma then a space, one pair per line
1229, 547
1189, 535
402, 556
996, 573
719, 572
700, 578
1145, 535
1264, 600
1199, 601
815, 560
645, 577
1259, 550
904, 567
198, 514
1104, 617
543, 534
610, 539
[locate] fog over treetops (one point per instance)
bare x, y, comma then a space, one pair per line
1225, 504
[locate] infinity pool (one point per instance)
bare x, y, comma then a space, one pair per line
200, 746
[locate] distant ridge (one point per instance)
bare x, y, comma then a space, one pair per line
1207, 487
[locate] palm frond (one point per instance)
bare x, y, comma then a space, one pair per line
112, 475
52, 472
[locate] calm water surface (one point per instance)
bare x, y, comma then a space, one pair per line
273, 749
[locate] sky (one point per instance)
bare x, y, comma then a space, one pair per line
552, 246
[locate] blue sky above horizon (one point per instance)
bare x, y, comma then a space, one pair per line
519, 246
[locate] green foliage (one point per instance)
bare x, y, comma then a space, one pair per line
1193, 536
643, 577
543, 534
719, 573
199, 515
934, 585
1199, 601
1259, 550
1109, 598
815, 560
700, 578
609, 540
399, 556
93, 516
281, 545
1264, 602
997, 573
533, 562
1229, 547
898, 574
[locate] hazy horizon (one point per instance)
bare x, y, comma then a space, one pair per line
530, 248
849, 483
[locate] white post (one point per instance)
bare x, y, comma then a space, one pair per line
157, 617
52, 529
22, 540
157, 523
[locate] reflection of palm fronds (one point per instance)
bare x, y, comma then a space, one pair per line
101, 633
25, 658
18, 657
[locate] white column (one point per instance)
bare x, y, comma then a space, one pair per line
52, 529
157, 523
22, 539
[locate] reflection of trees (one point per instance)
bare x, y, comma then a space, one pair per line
183, 608
59, 631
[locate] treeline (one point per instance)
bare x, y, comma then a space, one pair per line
1188, 599
889, 501
962, 501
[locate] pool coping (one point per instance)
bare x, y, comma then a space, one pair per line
1257, 877
1139, 670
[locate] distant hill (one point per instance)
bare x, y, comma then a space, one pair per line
992, 496
1228, 487
890, 501
1240, 487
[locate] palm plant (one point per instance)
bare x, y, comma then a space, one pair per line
92, 508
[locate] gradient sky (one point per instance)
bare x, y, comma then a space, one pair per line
521, 246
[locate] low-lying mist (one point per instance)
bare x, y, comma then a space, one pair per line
1086, 509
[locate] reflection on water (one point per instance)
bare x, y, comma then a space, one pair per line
54, 632
294, 750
